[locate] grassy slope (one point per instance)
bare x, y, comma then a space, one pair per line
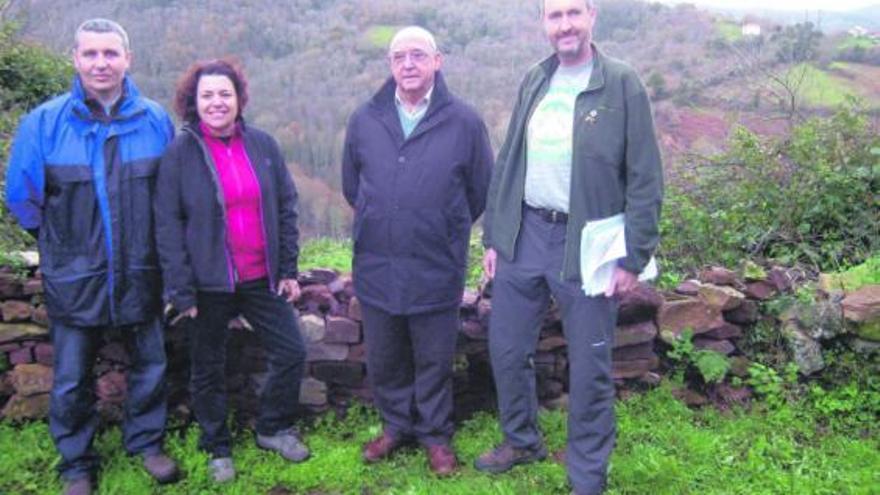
663, 448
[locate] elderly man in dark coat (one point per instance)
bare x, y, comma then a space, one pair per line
416, 168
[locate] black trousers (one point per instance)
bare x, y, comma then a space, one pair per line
275, 323
409, 364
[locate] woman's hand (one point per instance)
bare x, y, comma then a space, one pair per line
289, 289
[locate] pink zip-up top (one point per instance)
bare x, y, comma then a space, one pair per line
241, 192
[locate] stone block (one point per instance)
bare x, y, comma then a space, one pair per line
862, 305
358, 353
746, 314
474, 330
721, 346
551, 343
31, 379
354, 310
321, 276
345, 373
719, 276
24, 408
112, 387
312, 327
44, 354
722, 297
638, 333
22, 355
634, 369
634, 352
340, 330
639, 305
10, 286
725, 331
694, 314
689, 287
807, 352
317, 351
760, 290
469, 299
318, 298
12, 332
16, 311
313, 393
41, 316
32, 287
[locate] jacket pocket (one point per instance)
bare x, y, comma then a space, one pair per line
140, 186
602, 132
72, 222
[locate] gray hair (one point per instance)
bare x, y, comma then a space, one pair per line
414, 32
102, 26
591, 4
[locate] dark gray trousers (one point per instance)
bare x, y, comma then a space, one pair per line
520, 298
409, 364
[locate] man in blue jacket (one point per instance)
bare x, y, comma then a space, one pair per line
80, 178
416, 168
580, 147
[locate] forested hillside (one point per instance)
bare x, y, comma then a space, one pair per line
312, 62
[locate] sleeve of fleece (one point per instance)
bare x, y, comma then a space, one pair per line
288, 230
171, 219
25, 175
644, 180
350, 167
480, 170
500, 165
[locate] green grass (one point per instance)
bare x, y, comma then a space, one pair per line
867, 273
326, 253
729, 31
856, 41
819, 88
380, 35
663, 448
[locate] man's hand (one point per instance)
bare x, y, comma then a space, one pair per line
489, 259
289, 289
621, 282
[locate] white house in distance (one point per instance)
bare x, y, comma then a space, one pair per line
751, 29
857, 31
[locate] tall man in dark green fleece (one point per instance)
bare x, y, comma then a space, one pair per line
580, 147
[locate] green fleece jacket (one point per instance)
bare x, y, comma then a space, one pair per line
615, 164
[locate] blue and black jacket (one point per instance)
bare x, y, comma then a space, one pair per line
86, 181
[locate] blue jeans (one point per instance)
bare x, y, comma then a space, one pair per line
275, 323
73, 418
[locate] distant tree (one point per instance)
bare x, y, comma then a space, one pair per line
798, 43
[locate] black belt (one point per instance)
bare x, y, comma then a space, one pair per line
550, 216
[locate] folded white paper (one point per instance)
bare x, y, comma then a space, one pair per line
603, 242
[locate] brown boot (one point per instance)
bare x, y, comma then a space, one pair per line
381, 447
505, 456
441, 459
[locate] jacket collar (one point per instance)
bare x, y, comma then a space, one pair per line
597, 78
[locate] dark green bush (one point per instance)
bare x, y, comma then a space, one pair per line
29, 75
811, 198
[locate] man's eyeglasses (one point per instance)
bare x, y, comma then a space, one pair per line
416, 56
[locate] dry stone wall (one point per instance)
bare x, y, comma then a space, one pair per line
719, 307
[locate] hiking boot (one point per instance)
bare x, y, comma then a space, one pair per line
81, 486
441, 459
285, 442
222, 469
381, 447
505, 456
161, 467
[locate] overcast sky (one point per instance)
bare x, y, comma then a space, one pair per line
786, 4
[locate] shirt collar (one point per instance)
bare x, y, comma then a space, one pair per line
419, 108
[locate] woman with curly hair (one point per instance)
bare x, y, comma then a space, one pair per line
226, 229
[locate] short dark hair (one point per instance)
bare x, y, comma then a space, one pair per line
187, 86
